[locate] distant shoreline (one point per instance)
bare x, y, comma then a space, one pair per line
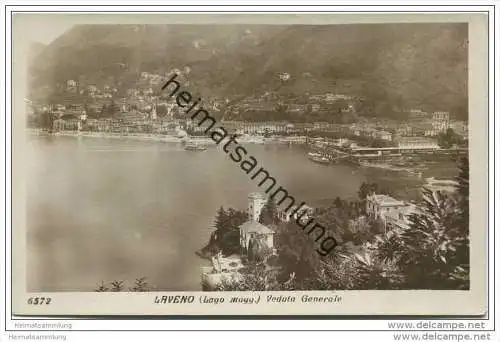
127, 136
148, 137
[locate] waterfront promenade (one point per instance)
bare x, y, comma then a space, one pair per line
167, 137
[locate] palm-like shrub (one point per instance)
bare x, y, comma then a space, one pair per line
426, 253
376, 273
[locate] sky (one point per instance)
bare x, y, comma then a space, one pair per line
43, 28
50, 32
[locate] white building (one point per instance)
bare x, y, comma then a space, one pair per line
222, 270
253, 228
440, 121
377, 206
287, 215
417, 143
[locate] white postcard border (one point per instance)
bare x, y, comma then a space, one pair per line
246, 311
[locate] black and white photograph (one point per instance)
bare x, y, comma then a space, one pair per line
273, 158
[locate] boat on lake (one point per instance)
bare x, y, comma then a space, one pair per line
391, 167
314, 154
318, 158
195, 147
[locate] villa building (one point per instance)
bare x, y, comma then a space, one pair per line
253, 228
377, 206
225, 268
395, 214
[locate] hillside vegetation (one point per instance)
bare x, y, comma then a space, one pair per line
391, 65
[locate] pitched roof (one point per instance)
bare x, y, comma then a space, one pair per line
255, 227
405, 211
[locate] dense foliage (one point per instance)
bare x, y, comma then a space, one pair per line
114, 55
433, 253
449, 139
226, 236
269, 214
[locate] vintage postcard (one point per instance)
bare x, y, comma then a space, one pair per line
250, 164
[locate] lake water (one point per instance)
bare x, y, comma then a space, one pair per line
103, 209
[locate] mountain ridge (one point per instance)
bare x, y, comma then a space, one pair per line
392, 65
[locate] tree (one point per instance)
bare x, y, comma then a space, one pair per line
117, 286
140, 285
251, 249
426, 253
434, 252
102, 287
297, 251
110, 110
364, 230
366, 189
373, 273
235, 218
460, 231
258, 250
226, 236
338, 202
448, 139
220, 219
47, 120
161, 110
463, 190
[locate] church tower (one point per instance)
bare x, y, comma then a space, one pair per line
256, 202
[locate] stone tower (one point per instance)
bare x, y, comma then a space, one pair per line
256, 202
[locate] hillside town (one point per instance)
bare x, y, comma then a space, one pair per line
330, 123
378, 150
